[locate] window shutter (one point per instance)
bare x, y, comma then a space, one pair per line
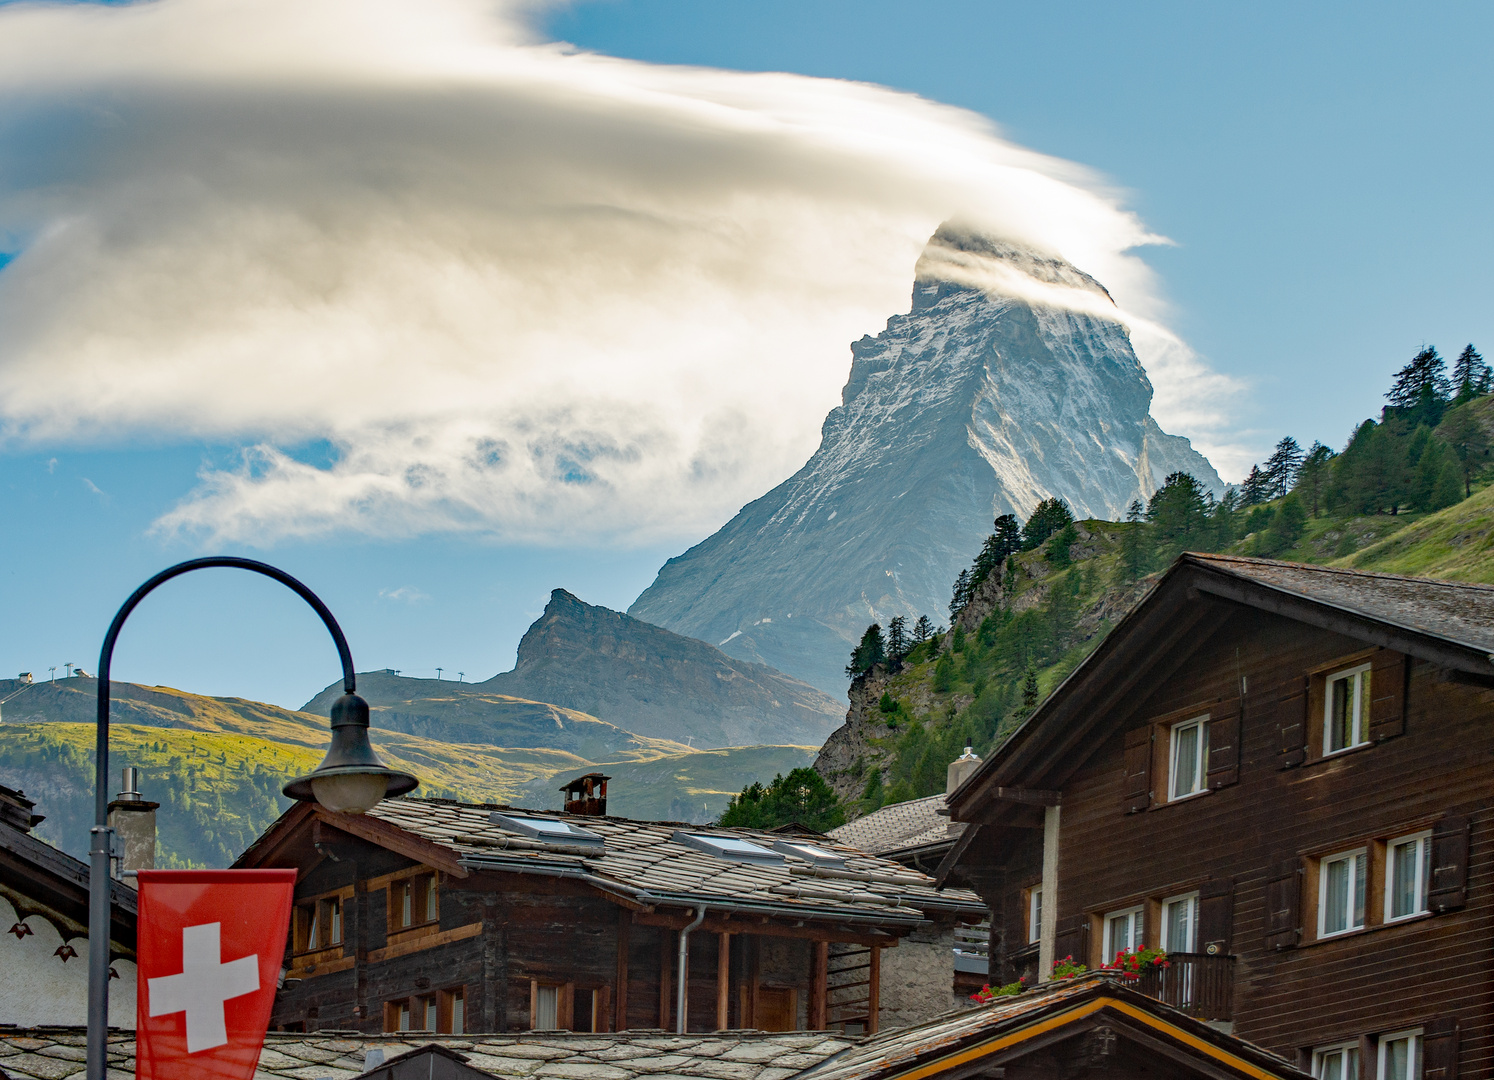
1138, 769
1291, 719
1224, 744
1072, 940
1387, 717
1448, 888
1216, 915
1283, 899
1439, 1049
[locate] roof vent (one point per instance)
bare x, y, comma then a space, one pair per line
547, 829
729, 847
587, 795
810, 853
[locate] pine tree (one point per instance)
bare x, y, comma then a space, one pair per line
1256, 489
1131, 555
1281, 467
1179, 513
1468, 441
1006, 540
1470, 375
1424, 377
922, 629
961, 598
1049, 516
871, 651
1313, 477
1030, 690
897, 639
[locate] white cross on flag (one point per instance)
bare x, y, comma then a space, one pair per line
210, 943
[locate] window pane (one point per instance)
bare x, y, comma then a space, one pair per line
430, 1014
311, 931
1178, 933
1361, 867
459, 1013
1340, 714
406, 899
547, 1008
404, 1016
1398, 1060
1184, 760
1332, 1066
1405, 898
1336, 897
1361, 706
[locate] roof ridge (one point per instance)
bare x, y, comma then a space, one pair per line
1347, 571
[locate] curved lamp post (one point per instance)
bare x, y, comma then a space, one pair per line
351, 779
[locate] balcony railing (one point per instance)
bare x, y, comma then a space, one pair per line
1196, 983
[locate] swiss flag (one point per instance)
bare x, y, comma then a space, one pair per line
209, 950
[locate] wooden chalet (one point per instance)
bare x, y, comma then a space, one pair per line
427, 914
1281, 774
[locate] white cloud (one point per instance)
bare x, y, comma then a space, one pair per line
521, 290
407, 594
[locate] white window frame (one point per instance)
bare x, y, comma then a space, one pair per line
1200, 758
1137, 914
1413, 1059
1191, 898
1034, 914
1359, 708
1350, 1051
1423, 873
1353, 896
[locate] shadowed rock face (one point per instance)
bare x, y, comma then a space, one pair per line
976, 403
660, 684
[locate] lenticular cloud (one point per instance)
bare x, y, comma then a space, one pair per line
518, 289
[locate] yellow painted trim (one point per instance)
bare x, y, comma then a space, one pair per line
991, 1046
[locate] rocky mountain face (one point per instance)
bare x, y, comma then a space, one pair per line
660, 684
1011, 380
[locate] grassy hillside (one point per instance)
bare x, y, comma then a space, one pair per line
1456, 543
694, 786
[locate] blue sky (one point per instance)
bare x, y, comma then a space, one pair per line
1321, 171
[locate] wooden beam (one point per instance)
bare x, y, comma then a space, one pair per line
664, 966
820, 990
723, 981
874, 991
395, 839
624, 924
1031, 796
811, 933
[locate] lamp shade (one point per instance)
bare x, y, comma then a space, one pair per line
351, 779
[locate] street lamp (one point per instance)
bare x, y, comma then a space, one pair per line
351, 779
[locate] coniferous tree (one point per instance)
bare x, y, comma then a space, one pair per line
1313, 477
871, 651
1006, 540
1179, 514
961, 598
1132, 552
1049, 516
1468, 440
1057, 553
1470, 375
922, 629
1281, 467
897, 639
1029, 690
1256, 489
1424, 377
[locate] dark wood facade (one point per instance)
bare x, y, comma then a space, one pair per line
1266, 857
393, 932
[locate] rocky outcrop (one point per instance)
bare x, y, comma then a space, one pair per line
1012, 379
850, 751
657, 683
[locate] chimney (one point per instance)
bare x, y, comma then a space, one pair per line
15, 809
134, 822
959, 770
587, 795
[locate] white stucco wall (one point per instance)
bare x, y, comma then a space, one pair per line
37, 987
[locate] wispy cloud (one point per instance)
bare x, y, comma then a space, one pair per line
521, 290
407, 594
91, 486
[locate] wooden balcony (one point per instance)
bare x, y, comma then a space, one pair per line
1195, 983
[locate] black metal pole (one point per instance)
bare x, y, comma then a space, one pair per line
99, 884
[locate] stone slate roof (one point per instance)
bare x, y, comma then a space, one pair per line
911, 824
642, 861
894, 1052
1451, 610
58, 1053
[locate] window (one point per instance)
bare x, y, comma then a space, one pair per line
810, 853
1341, 890
454, 1004
1188, 762
1406, 862
1180, 923
1340, 1062
1034, 914
413, 901
728, 847
397, 1015
1346, 710
318, 924
546, 1008
1400, 1055
333, 909
552, 829
1123, 932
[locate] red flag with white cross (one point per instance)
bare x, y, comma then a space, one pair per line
209, 947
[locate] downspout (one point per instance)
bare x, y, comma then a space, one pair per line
682, 997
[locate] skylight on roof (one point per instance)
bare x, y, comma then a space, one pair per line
810, 853
543, 828
728, 847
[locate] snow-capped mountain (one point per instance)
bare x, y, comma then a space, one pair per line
1011, 380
